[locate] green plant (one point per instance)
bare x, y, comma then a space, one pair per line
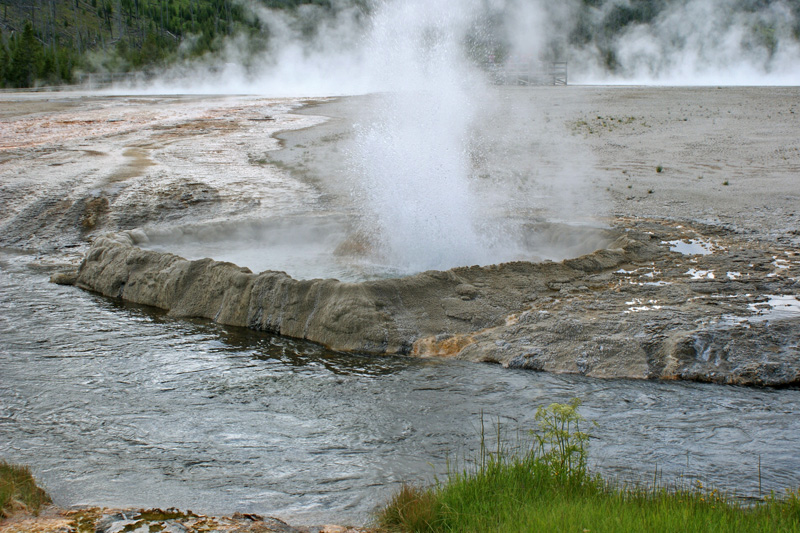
561, 443
18, 490
544, 485
725, 183
659, 169
554, 459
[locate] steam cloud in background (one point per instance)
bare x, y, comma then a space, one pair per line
342, 49
698, 42
415, 166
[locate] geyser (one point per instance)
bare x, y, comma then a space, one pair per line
420, 209
439, 169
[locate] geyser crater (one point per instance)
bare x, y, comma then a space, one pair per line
401, 192
329, 246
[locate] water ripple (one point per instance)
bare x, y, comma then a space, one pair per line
119, 405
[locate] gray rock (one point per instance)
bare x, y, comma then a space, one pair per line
632, 310
65, 278
114, 523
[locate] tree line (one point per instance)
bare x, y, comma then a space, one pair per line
24, 61
46, 42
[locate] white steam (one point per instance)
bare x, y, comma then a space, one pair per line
420, 210
351, 49
417, 161
311, 51
346, 49
699, 42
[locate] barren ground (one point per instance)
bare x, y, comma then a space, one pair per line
729, 157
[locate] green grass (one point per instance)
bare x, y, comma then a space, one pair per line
548, 488
18, 491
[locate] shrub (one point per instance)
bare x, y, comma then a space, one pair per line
18, 490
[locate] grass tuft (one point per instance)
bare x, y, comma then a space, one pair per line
18, 491
412, 508
546, 487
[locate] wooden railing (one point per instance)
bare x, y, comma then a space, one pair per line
530, 72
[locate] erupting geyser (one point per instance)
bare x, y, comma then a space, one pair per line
420, 209
437, 168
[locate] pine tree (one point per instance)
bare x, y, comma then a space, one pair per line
4, 61
24, 58
46, 66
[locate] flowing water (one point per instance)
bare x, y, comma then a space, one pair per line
120, 405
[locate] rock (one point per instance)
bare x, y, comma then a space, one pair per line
116, 522
384, 316
64, 278
96, 520
333, 529
634, 310
466, 291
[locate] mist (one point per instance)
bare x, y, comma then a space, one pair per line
424, 195
347, 48
434, 184
695, 42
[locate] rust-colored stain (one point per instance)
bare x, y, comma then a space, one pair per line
435, 346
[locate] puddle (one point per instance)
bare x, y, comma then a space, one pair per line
690, 247
777, 307
306, 247
781, 263
651, 274
329, 246
638, 305
700, 274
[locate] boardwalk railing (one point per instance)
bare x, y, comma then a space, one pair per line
105, 79
530, 72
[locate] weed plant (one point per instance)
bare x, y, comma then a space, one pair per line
18, 491
547, 487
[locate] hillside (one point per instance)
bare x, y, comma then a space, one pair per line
44, 42
48, 41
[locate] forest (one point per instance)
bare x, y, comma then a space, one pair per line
53, 42
48, 42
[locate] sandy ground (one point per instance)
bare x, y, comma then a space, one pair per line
730, 156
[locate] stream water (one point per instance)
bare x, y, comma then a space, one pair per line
120, 405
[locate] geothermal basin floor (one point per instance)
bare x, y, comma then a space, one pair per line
696, 276
702, 183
